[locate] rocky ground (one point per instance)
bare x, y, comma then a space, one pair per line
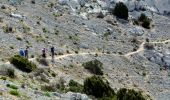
132, 56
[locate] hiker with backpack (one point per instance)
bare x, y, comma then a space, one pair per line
44, 53
21, 52
52, 53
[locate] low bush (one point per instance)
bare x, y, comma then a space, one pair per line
10, 72
43, 61
146, 24
15, 93
145, 21
142, 17
22, 63
12, 86
121, 11
57, 86
129, 94
8, 29
97, 87
47, 94
48, 88
75, 87
94, 66
149, 46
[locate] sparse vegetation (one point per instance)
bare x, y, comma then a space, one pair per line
22, 63
44, 30
129, 94
43, 61
26, 29
47, 94
57, 14
59, 86
144, 21
94, 66
15, 93
19, 38
12, 86
7, 29
75, 87
97, 87
48, 88
40, 38
149, 46
10, 72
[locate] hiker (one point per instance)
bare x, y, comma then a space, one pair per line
26, 53
21, 52
52, 53
44, 53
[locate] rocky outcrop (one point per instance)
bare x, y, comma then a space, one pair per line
75, 96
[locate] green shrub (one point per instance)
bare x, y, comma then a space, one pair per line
26, 28
8, 29
97, 87
43, 61
142, 17
22, 63
48, 88
94, 66
121, 11
146, 24
145, 21
19, 38
129, 94
44, 30
11, 72
75, 87
3, 78
15, 93
47, 94
108, 98
12, 86
59, 86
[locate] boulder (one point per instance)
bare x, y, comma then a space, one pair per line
62, 2
75, 96
137, 31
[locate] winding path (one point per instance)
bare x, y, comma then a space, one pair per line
141, 48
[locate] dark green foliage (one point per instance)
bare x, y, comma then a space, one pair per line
12, 86
10, 72
145, 21
149, 46
108, 98
146, 24
129, 94
75, 87
94, 66
47, 94
22, 63
15, 93
97, 87
142, 17
48, 88
121, 11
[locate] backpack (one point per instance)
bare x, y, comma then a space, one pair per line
21, 52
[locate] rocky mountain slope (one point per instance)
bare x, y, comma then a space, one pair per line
132, 56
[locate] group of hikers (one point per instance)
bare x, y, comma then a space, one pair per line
24, 53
